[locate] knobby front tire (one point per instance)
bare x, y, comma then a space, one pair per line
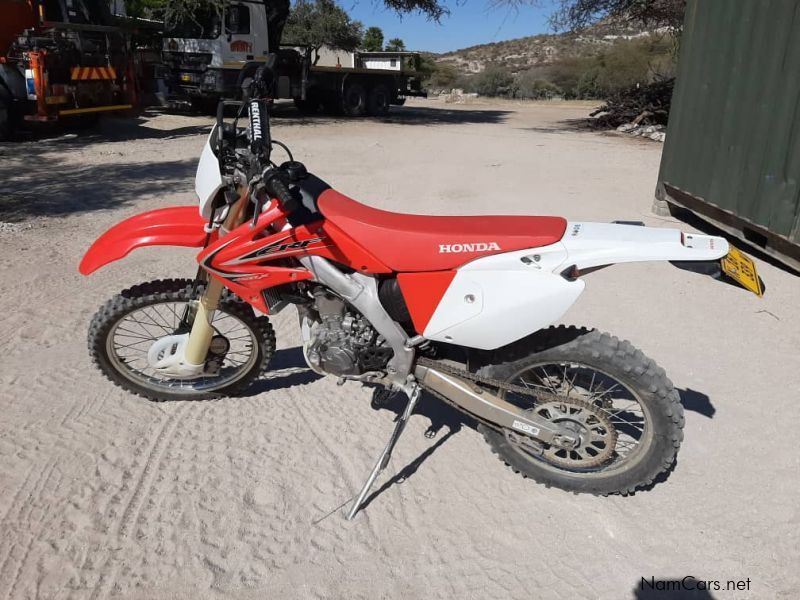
159, 306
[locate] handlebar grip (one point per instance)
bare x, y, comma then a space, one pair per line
276, 187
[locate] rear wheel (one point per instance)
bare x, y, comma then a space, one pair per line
125, 329
6, 128
619, 402
378, 102
354, 100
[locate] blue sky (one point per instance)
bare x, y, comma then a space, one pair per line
470, 22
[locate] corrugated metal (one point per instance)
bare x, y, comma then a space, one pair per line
733, 140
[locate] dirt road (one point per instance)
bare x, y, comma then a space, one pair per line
106, 495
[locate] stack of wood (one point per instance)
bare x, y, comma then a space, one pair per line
641, 105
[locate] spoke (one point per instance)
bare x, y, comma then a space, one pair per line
133, 335
122, 347
142, 324
144, 313
623, 409
572, 381
177, 319
609, 390
165, 327
591, 384
156, 308
546, 380
631, 423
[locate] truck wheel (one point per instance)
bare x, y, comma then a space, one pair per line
379, 99
5, 120
354, 100
308, 106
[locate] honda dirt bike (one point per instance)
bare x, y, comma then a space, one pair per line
461, 307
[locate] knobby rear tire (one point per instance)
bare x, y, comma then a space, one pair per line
175, 290
620, 360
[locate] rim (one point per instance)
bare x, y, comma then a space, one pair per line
131, 337
619, 402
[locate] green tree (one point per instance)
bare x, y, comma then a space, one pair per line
576, 14
531, 86
395, 45
373, 39
318, 23
495, 81
438, 76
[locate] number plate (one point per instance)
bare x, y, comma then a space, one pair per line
186, 77
741, 268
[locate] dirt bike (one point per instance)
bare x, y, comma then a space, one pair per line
461, 307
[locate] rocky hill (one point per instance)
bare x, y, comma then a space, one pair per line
538, 50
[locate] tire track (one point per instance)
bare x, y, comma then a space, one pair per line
30, 530
151, 466
140, 492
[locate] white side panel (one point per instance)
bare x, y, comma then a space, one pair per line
596, 244
208, 179
499, 299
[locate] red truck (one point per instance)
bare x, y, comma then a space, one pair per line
62, 59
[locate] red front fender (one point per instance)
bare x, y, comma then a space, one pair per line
176, 226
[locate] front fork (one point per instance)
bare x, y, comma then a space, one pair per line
202, 330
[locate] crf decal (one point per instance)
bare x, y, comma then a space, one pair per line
241, 46
279, 247
473, 247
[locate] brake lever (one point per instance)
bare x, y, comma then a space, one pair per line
259, 201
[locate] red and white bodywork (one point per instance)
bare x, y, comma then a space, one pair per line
474, 281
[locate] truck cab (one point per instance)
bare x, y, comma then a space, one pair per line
204, 55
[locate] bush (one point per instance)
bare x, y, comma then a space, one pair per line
531, 86
495, 81
623, 64
442, 76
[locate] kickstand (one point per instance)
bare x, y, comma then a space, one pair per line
383, 459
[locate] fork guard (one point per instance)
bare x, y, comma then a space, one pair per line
175, 226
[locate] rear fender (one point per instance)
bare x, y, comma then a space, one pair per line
498, 299
176, 226
598, 244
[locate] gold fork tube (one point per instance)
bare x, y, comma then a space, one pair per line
202, 331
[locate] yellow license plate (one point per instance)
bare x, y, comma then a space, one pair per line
186, 77
741, 268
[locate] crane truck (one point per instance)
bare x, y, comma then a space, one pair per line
62, 59
203, 57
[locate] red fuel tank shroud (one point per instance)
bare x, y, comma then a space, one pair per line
422, 293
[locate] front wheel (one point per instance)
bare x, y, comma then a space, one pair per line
621, 405
126, 327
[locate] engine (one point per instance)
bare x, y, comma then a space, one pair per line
340, 341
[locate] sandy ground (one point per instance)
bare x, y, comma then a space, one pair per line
103, 494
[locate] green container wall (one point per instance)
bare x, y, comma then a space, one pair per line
733, 140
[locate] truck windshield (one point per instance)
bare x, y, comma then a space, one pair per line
203, 24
